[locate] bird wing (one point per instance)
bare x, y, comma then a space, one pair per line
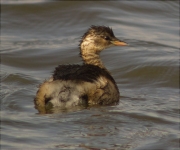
87, 73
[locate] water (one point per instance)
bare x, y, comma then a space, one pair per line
38, 35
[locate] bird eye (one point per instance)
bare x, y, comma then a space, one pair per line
106, 38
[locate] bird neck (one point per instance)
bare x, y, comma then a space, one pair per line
90, 51
92, 59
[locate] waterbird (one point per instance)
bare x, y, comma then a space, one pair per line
82, 85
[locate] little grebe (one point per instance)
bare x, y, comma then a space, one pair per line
88, 84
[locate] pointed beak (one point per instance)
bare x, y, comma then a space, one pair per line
117, 42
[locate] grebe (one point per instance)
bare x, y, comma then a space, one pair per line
88, 84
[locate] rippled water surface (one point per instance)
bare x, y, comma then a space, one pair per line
38, 35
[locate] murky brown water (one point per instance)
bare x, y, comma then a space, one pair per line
37, 36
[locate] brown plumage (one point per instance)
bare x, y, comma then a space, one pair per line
88, 84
